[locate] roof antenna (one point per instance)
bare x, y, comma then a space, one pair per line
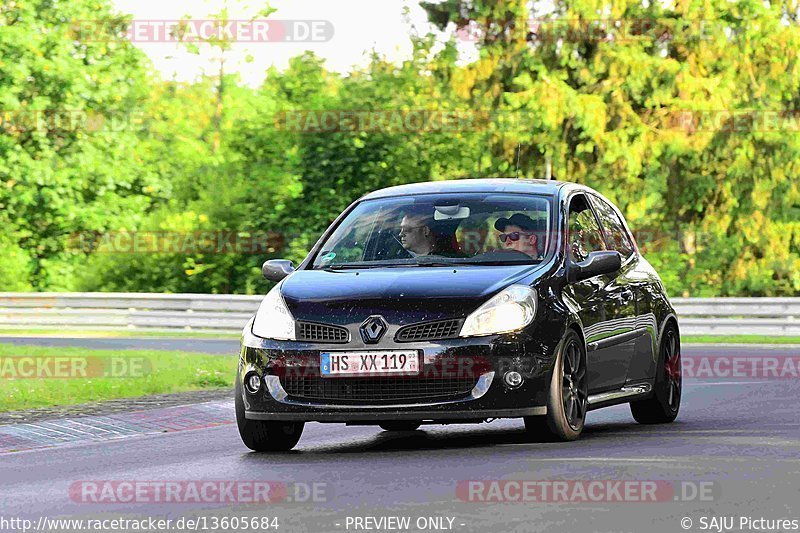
519, 149
548, 167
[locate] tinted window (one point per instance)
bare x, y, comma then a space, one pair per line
616, 236
584, 232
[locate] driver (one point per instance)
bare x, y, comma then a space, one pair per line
416, 236
517, 232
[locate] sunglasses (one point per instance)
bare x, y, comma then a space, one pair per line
514, 235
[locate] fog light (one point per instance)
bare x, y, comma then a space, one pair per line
512, 379
253, 382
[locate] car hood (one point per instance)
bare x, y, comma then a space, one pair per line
400, 295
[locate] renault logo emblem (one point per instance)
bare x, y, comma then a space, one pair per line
373, 329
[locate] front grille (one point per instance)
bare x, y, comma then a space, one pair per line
311, 332
377, 389
429, 331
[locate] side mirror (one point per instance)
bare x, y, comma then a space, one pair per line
596, 264
277, 269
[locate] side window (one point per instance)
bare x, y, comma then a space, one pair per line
616, 236
584, 234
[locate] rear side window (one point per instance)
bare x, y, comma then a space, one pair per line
613, 228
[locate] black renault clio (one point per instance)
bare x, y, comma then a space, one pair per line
457, 302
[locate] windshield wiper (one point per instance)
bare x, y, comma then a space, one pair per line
434, 264
352, 266
502, 263
346, 266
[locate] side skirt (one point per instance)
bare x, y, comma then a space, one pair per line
626, 394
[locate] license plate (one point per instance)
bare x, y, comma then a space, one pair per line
393, 362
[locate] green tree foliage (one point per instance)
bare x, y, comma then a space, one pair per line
685, 115
604, 87
67, 139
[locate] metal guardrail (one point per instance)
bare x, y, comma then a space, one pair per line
217, 313
223, 313
738, 316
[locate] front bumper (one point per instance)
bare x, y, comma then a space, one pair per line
488, 398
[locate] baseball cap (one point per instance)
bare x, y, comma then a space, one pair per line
521, 221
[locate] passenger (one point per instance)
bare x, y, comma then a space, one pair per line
518, 232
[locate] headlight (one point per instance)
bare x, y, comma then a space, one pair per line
273, 319
511, 309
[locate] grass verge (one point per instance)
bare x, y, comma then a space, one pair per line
97, 375
102, 334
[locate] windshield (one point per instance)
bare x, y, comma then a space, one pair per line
441, 230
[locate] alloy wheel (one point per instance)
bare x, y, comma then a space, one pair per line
672, 368
573, 389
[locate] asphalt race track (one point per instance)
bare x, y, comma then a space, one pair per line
733, 452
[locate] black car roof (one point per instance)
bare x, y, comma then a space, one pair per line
512, 185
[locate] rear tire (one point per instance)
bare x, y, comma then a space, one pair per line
265, 435
400, 425
663, 406
567, 398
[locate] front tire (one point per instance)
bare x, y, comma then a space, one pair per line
567, 399
265, 435
663, 406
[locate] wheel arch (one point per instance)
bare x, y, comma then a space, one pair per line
670, 319
576, 327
